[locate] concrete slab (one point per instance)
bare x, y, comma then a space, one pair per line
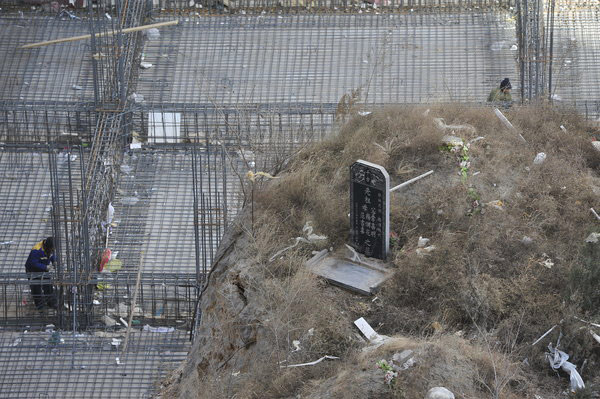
362, 277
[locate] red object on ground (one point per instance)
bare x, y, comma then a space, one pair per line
105, 258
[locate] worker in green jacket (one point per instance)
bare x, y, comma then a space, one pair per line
502, 93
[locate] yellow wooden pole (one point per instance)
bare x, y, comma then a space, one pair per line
83, 37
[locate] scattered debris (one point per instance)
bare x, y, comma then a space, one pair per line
7, 242
76, 87
592, 238
498, 204
136, 98
439, 393
595, 214
296, 345
123, 322
558, 360
310, 238
145, 65
55, 339
312, 363
596, 145
151, 329
507, 123
452, 141
108, 321
596, 336
355, 256
414, 179
442, 126
126, 169
364, 113
422, 249
115, 342
403, 360
252, 176
152, 33
543, 335
130, 200
547, 262
539, 158
117, 360
368, 331
527, 240
110, 212
588, 322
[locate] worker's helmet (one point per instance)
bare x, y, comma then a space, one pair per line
49, 244
505, 84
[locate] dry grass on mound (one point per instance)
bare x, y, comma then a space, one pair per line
487, 269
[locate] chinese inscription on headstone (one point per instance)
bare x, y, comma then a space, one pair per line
369, 209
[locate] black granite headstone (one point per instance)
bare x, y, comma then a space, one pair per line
369, 209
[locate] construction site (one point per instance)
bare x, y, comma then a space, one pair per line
134, 141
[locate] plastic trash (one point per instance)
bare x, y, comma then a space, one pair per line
558, 360
148, 328
539, 158
422, 242
130, 200
136, 98
152, 33
106, 254
110, 212
310, 238
593, 238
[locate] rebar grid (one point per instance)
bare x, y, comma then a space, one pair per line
25, 214
392, 58
576, 71
91, 365
291, 6
61, 72
154, 209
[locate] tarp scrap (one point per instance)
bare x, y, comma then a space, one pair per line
558, 360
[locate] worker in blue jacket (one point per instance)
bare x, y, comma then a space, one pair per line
38, 261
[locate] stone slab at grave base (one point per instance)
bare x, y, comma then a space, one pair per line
363, 277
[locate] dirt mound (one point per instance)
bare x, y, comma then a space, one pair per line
509, 261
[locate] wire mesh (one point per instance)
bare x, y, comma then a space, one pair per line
51, 363
227, 61
25, 214
290, 6
576, 50
62, 72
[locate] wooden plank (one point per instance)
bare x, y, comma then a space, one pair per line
111, 33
